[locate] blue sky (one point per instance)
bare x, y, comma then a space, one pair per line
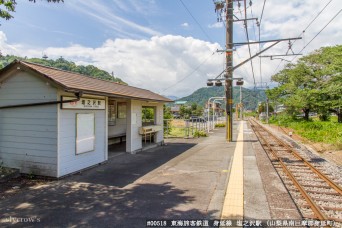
157, 44
90, 23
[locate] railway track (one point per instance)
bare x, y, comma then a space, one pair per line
315, 193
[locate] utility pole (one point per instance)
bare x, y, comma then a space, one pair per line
267, 115
229, 74
241, 107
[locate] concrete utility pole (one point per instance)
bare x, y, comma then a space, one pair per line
241, 108
229, 74
267, 115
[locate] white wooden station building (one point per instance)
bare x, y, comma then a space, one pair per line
55, 122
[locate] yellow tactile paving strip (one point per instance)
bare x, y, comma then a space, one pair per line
233, 202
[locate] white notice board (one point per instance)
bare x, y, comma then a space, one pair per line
85, 132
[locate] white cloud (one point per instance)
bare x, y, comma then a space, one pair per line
185, 24
286, 19
111, 19
216, 25
154, 64
144, 7
159, 62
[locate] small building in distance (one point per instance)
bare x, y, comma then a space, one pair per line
214, 106
175, 109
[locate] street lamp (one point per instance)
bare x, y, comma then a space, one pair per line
239, 82
218, 83
229, 100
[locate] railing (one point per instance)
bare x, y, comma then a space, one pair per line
186, 128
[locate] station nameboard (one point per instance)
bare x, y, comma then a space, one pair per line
84, 103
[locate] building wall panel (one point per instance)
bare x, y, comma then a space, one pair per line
68, 161
28, 135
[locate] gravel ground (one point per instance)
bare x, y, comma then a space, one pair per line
329, 167
280, 202
313, 156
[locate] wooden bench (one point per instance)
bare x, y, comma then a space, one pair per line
117, 136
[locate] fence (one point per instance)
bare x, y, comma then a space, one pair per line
188, 127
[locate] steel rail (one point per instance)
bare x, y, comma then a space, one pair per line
315, 208
331, 183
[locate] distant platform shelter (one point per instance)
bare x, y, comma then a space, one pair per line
55, 122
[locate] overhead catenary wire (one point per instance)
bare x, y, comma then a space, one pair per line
259, 28
244, 66
204, 32
310, 23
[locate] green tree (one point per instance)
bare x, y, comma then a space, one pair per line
167, 117
262, 107
64, 64
148, 116
167, 112
196, 110
184, 112
313, 84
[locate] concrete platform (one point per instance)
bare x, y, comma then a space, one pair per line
185, 179
205, 178
255, 191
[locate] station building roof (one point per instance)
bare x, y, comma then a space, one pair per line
74, 82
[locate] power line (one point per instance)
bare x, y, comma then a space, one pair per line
260, 69
319, 32
277, 67
259, 28
237, 53
312, 21
250, 3
262, 12
249, 47
319, 13
196, 21
196, 69
316, 16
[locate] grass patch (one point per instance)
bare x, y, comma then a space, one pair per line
180, 132
176, 132
329, 132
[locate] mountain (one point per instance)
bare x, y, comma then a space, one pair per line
250, 97
63, 64
172, 97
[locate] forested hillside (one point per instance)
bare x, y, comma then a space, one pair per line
63, 64
251, 97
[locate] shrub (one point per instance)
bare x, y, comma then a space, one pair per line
220, 125
200, 134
